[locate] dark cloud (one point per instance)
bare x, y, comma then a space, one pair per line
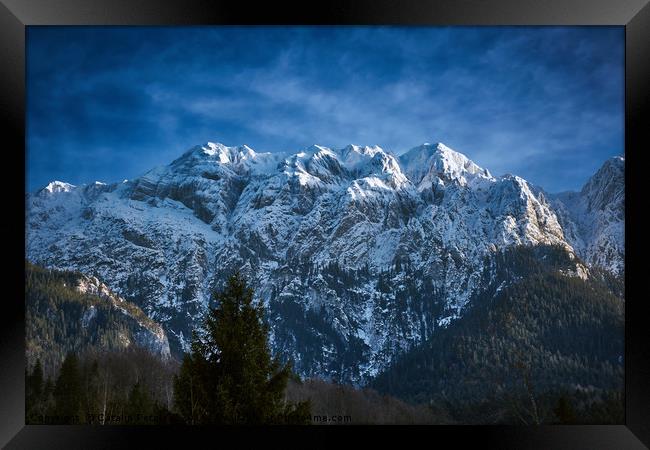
107, 103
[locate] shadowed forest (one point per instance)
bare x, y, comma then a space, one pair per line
512, 358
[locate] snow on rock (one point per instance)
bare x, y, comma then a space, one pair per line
428, 163
56, 187
357, 254
594, 218
147, 333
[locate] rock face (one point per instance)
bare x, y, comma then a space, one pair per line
358, 254
143, 331
68, 311
594, 218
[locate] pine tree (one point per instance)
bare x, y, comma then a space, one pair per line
36, 379
230, 376
48, 397
67, 391
139, 404
34, 394
91, 389
564, 411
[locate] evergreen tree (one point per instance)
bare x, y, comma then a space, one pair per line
67, 391
91, 388
35, 380
48, 397
34, 398
230, 376
564, 411
555, 331
139, 403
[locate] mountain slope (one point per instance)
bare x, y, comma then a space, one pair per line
594, 218
67, 311
357, 254
533, 324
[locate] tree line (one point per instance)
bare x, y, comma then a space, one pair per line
228, 377
541, 348
537, 346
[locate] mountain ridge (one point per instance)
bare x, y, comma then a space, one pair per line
296, 224
69, 311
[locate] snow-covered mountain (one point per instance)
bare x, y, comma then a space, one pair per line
594, 218
82, 315
357, 253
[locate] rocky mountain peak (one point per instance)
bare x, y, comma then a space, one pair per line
356, 253
606, 187
429, 161
56, 187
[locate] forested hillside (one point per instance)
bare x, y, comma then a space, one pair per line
543, 343
117, 387
70, 312
357, 252
525, 346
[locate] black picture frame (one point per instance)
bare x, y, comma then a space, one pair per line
15, 15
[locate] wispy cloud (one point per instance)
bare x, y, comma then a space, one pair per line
109, 103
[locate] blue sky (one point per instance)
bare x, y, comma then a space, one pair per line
109, 103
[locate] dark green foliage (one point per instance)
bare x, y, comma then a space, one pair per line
139, 402
34, 393
605, 409
59, 319
537, 346
230, 376
614, 283
302, 325
67, 391
92, 384
126, 387
535, 334
564, 411
34, 384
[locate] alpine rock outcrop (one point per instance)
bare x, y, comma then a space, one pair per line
69, 311
358, 254
594, 218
